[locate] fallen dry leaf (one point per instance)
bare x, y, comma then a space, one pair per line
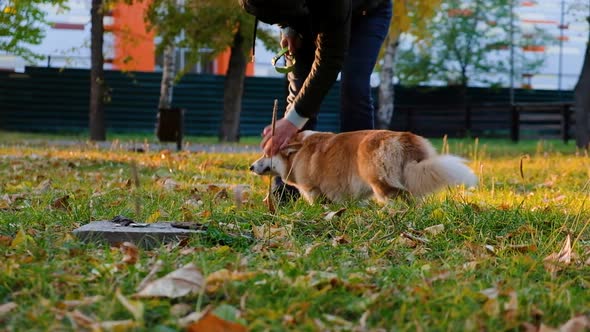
43, 186
434, 230
210, 322
170, 184
311, 247
6, 308
61, 203
268, 232
115, 325
5, 240
154, 217
401, 240
190, 318
219, 277
335, 321
577, 324
155, 269
180, 309
213, 188
20, 239
490, 249
5, 202
85, 301
80, 320
341, 239
333, 214
181, 282
491, 293
556, 261
440, 276
522, 248
130, 253
511, 307
221, 195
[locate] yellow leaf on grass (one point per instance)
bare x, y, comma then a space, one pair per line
437, 214
4, 204
219, 277
154, 217
20, 239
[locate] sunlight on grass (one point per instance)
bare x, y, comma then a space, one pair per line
463, 259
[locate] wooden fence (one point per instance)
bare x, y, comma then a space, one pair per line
54, 100
548, 120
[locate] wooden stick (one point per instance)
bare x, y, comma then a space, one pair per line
135, 175
269, 198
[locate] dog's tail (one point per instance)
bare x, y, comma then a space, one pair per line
432, 174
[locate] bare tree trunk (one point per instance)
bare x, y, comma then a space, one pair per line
232, 93
386, 88
582, 102
96, 116
168, 73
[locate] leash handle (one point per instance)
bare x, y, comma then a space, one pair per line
283, 69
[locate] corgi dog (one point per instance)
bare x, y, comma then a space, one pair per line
357, 165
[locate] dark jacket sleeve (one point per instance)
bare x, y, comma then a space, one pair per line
331, 41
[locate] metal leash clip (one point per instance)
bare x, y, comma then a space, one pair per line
283, 69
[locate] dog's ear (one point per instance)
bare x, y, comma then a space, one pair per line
291, 148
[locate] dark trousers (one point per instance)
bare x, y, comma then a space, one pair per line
367, 34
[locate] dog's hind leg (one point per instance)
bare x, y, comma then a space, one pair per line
311, 195
383, 192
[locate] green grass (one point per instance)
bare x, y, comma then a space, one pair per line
355, 270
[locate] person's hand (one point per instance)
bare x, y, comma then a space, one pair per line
284, 131
291, 40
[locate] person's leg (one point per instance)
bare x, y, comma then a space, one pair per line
304, 59
366, 37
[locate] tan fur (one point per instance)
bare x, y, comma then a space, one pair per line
361, 164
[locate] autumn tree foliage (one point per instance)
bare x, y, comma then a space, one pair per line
23, 24
214, 26
468, 42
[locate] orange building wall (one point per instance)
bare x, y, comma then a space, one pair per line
223, 63
134, 46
